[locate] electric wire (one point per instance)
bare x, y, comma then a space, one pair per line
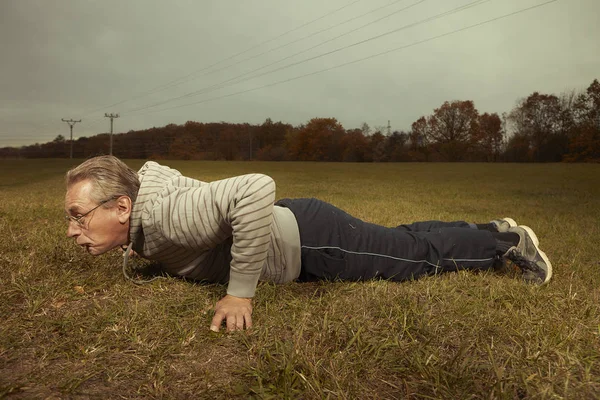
218, 85
362, 59
184, 79
224, 83
340, 65
301, 39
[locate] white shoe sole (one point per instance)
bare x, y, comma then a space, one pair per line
534, 237
535, 240
511, 222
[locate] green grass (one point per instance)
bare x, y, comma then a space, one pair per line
72, 327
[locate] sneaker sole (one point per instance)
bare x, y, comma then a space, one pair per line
511, 222
532, 234
542, 254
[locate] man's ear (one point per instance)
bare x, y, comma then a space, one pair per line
124, 208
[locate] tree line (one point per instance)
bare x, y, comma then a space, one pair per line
540, 128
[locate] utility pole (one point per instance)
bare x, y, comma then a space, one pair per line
389, 128
111, 116
250, 135
71, 123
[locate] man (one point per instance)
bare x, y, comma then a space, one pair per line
232, 231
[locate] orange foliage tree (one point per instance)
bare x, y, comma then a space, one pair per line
585, 139
490, 136
322, 139
356, 146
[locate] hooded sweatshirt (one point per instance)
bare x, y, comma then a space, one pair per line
226, 231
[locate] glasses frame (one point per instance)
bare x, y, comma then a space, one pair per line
79, 220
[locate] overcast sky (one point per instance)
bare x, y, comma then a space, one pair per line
192, 59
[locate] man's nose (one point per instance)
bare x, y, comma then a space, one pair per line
73, 229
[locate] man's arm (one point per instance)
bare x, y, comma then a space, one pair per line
250, 214
243, 208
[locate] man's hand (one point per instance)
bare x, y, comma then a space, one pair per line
236, 311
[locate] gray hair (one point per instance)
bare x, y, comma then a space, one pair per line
110, 177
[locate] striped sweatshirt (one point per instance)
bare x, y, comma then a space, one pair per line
226, 231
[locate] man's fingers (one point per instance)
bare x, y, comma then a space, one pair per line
239, 323
248, 318
231, 323
235, 311
216, 322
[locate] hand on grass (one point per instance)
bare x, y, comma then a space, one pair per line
236, 311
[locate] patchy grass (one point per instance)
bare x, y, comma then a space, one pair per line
72, 327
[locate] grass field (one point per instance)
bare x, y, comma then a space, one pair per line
72, 327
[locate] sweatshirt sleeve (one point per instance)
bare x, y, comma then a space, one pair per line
250, 214
203, 217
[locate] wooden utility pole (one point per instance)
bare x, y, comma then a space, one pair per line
111, 116
250, 135
71, 123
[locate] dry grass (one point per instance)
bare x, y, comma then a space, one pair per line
72, 327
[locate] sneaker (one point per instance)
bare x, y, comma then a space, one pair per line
504, 224
532, 261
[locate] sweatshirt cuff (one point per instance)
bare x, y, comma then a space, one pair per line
242, 285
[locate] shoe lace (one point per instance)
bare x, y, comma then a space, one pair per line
521, 261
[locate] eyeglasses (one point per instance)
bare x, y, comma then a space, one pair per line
79, 219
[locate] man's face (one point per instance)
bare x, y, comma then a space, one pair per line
102, 229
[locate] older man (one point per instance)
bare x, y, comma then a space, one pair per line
232, 231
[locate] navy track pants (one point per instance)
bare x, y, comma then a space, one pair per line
336, 245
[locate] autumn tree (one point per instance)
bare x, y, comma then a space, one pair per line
418, 133
454, 121
489, 137
450, 130
584, 142
319, 140
356, 146
227, 146
396, 146
269, 133
184, 147
418, 140
538, 118
159, 140
270, 140
517, 149
377, 145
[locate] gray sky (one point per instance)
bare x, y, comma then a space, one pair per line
77, 59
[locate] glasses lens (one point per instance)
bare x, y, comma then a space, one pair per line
76, 221
80, 219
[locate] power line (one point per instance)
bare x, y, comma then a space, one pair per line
38, 129
292, 42
361, 59
183, 79
223, 84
